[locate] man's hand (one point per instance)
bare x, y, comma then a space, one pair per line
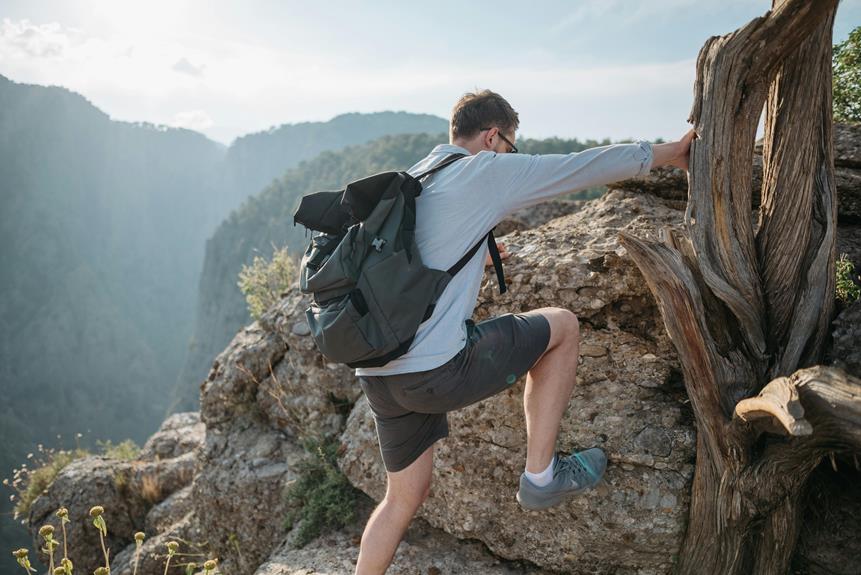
674, 153
503, 254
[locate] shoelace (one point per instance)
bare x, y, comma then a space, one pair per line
575, 463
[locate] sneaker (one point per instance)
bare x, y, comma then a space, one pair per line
573, 474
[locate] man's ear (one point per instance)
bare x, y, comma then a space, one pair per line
488, 138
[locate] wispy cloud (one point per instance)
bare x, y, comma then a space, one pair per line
24, 39
183, 66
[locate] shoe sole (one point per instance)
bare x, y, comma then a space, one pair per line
558, 499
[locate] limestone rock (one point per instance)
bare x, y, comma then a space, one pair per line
186, 531
303, 393
537, 215
180, 433
128, 490
847, 145
246, 460
424, 550
846, 349
628, 400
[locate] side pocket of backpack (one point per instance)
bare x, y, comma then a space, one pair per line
335, 328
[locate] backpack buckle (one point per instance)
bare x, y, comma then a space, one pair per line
378, 244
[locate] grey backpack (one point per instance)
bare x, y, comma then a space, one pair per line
370, 289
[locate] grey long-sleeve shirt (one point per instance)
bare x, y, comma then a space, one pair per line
461, 203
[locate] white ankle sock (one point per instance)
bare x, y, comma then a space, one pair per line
543, 478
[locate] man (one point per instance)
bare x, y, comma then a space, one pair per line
453, 362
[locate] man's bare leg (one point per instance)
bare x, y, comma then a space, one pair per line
549, 385
406, 491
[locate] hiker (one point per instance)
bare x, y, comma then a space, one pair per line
454, 362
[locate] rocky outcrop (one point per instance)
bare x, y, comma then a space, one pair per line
424, 550
627, 400
537, 215
216, 482
134, 493
846, 348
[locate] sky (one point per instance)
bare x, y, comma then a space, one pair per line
571, 68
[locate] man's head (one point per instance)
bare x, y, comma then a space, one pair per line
483, 121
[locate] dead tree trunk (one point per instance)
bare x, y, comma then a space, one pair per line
748, 300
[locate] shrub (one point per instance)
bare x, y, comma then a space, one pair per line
321, 499
264, 282
847, 291
846, 63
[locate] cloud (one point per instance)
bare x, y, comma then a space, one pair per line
193, 120
183, 66
24, 39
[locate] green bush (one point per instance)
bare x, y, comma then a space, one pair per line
321, 499
32, 479
263, 282
846, 63
126, 449
846, 288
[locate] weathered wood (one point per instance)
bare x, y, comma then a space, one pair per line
777, 400
746, 302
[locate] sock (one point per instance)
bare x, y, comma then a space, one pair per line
543, 478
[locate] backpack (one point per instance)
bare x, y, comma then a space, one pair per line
370, 289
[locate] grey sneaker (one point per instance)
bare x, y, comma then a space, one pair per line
573, 474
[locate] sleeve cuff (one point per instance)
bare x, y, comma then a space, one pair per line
644, 153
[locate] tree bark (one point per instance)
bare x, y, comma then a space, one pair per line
748, 301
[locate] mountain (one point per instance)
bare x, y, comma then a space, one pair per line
103, 228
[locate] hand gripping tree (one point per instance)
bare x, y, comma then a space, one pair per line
747, 299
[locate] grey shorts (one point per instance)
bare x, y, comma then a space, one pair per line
410, 408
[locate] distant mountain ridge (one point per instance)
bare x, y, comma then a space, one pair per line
103, 228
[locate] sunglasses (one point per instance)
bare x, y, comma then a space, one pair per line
513, 149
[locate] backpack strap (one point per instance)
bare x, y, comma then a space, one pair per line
446, 162
494, 255
497, 264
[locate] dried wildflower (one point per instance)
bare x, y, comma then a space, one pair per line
96, 511
46, 530
139, 536
172, 546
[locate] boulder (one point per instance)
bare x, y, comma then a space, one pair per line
128, 491
539, 214
628, 400
245, 461
846, 351
424, 550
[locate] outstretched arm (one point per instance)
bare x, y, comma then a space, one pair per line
674, 153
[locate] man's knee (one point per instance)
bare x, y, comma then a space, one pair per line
564, 326
411, 497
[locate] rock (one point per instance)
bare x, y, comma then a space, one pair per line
537, 215
186, 531
846, 351
180, 433
849, 243
424, 550
828, 543
128, 490
632, 407
847, 145
302, 395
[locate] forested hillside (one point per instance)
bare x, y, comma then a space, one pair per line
102, 232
